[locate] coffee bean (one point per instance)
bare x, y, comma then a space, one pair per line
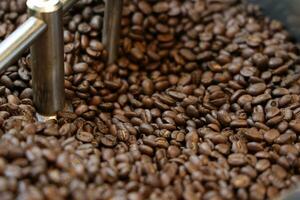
287, 137
84, 27
275, 62
288, 149
257, 89
80, 67
271, 135
192, 111
187, 54
253, 134
272, 112
148, 87
239, 146
238, 123
295, 125
146, 129
145, 7
51, 131
241, 181
173, 151
146, 149
96, 45
236, 159
161, 7
108, 140
262, 165
260, 60
123, 135
257, 191
84, 136
261, 99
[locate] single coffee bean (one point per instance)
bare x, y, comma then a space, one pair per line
236, 159
108, 140
295, 125
262, 165
257, 89
253, 134
241, 181
148, 87
192, 111
145, 7
271, 135
146, 129
161, 7
84, 136
80, 67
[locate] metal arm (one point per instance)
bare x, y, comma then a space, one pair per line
112, 28
22, 38
67, 4
43, 32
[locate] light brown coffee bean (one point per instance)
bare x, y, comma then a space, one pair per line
80, 67
84, 136
241, 181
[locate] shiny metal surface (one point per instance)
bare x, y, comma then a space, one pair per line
112, 27
286, 11
67, 4
16, 43
47, 58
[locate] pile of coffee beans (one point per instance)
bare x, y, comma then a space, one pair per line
203, 103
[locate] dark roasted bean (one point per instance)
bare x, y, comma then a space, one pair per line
84, 136
108, 140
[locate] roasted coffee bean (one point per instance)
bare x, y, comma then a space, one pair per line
108, 140
271, 135
257, 191
237, 159
80, 67
257, 89
295, 125
241, 181
252, 134
260, 99
148, 87
146, 129
262, 165
84, 136
145, 7
192, 111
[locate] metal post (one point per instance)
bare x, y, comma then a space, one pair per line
47, 58
67, 4
16, 43
112, 28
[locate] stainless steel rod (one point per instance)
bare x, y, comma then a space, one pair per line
112, 28
47, 58
67, 4
16, 43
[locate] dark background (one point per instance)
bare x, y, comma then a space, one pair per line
286, 11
